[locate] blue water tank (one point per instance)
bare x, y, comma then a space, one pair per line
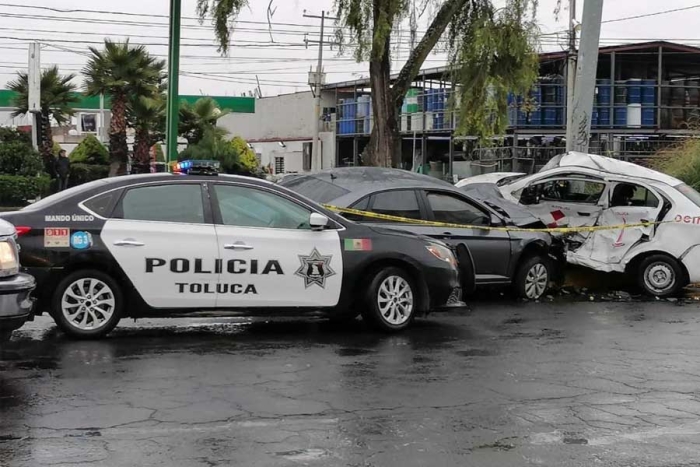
648, 92
634, 91
604, 116
550, 117
604, 92
648, 116
620, 116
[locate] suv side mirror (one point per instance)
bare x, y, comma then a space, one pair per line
318, 221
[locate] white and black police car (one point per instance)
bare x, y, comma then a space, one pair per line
164, 245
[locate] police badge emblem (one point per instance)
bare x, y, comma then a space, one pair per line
315, 269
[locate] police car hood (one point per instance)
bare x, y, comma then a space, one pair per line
490, 195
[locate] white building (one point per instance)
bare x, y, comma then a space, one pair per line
281, 131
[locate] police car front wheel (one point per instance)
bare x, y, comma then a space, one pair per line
87, 304
391, 300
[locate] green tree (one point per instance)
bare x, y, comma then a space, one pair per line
17, 158
247, 157
90, 151
491, 51
146, 116
11, 135
213, 147
199, 118
121, 71
57, 100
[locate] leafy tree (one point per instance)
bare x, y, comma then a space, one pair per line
491, 52
247, 157
57, 100
198, 118
90, 151
11, 135
213, 147
17, 158
146, 116
121, 71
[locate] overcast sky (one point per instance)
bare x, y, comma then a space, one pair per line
281, 65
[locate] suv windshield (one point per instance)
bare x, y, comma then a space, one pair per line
689, 193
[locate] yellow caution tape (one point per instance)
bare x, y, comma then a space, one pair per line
406, 220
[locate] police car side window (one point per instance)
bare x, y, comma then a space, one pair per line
249, 207
164, 203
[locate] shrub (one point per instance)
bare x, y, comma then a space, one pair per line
90, 151
10, 135
17, 158
16, 190
247, 157
681, 161
84, 173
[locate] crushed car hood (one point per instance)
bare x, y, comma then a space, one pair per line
491, 195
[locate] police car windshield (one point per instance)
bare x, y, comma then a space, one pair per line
60, 196
689, 193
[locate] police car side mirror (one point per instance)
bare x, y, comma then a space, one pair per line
318, 221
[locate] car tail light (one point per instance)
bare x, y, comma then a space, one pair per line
22, 230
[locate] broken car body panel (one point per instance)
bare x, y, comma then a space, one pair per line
581, 190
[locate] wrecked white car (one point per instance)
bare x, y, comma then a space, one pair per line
581, 190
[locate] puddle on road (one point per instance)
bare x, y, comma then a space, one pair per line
350, 352
475, 353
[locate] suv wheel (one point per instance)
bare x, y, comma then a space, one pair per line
391, 300
87, 304
661, 276
532, 278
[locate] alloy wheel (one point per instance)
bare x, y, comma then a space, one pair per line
536, 281
395, 300
88, 304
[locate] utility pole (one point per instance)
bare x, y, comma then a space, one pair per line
34, 90
316, 154
586, 71
571, 76
173, 103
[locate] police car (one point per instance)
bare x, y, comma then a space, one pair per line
160, 245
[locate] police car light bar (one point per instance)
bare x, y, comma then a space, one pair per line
198, 167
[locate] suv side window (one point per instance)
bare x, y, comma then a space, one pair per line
454, 210
565, 190
401, 203
248, 207
180, 203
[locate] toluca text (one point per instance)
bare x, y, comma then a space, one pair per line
236, 289
217, 266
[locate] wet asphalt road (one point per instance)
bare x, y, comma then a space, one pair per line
502, 384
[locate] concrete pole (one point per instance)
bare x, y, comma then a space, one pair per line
317, 154
34, 90
586, 72
571, 76
173, 103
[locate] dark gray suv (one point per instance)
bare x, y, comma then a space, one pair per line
526, 260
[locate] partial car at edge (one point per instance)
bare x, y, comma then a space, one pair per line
15, 287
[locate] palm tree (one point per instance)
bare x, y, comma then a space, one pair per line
199, 118
146, 115
57, 100
121, 71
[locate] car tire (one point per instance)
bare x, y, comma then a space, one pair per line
87, 304
391, 300
533, 277
661, 276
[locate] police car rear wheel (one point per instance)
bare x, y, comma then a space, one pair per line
391, 299
87, 304
661, 276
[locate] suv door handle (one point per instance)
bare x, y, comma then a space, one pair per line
128, 243
237, 246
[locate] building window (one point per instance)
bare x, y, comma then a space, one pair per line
279, 165
308, 151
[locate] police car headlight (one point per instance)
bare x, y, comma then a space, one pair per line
9, 259
442, 253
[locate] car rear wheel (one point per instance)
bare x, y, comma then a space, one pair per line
87, 304
661, 276
532, 278
391, 300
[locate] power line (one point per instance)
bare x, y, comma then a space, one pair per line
649, 15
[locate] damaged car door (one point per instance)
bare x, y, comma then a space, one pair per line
570, 201
627, 203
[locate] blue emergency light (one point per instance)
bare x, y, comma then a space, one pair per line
198, 167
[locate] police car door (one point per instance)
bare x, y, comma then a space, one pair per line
271, 257
163, 238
